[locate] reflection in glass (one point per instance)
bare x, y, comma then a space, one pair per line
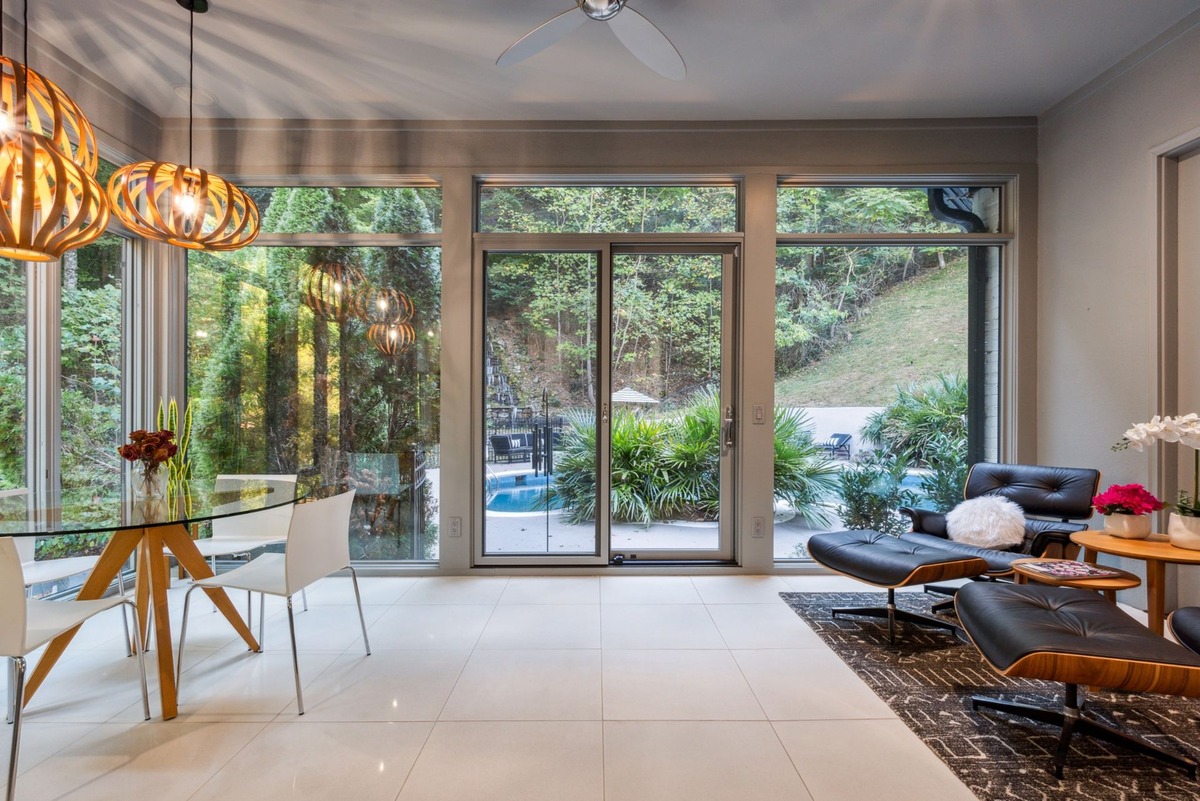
278, 386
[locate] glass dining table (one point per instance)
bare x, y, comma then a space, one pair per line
147, 529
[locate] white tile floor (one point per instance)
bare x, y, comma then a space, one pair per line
629, 688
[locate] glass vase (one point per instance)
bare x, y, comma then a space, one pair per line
149, 485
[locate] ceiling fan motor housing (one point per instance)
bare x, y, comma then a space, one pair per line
601, 10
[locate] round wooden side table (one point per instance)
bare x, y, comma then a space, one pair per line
1105, 584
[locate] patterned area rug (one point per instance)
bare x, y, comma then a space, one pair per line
928, 677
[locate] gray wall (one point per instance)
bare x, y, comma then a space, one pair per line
1108, 351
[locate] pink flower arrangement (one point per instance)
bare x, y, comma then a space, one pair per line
1126, 499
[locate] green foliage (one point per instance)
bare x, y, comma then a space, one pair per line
912, 331
822, 290
669, 468
919, 415
943, 484
872, 493
604, 209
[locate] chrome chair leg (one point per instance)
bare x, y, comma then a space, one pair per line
141, 657
18, 673
295, 655
124, 618
304, 598
187, 601
358, 600
262, 619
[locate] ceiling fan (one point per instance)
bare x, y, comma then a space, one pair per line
639, 35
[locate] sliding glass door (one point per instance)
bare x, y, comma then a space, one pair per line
608, 422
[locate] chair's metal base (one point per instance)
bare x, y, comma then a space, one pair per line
892, 614
1071, 720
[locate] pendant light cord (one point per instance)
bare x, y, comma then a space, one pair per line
22, 98
191, 74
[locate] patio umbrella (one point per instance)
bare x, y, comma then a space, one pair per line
630, 395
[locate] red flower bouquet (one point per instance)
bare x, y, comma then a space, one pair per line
1126, 499
151, 448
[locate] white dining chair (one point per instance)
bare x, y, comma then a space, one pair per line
41, 571
28, 623
239, 535
318, 543
242, 534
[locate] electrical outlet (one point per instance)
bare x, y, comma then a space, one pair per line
760, 527
456, 527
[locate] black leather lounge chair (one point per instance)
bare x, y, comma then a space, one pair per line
1054, 500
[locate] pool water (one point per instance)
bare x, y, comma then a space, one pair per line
505, 494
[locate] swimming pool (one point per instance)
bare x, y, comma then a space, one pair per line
522, 493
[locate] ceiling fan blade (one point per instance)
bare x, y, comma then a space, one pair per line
542, 36
651, 46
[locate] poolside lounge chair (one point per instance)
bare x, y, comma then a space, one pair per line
512, 447
837, 445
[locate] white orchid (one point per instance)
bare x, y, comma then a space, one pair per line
1184, 429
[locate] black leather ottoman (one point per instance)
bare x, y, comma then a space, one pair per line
887, 561
1076, 637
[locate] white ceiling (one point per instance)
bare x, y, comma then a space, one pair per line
746, 59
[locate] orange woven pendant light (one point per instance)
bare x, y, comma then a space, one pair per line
179, 203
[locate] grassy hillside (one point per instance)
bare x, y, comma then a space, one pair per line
914, 332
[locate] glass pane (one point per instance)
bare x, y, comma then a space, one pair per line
358, 210
871, 387
607, 209
287, 374
540, 428
666, 421
888, 209
91, 370
12, 374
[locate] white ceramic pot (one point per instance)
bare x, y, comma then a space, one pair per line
1184, 532
1129, 527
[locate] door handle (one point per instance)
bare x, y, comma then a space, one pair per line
727, 426
604, 413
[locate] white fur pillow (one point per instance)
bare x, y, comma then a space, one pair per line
989, 521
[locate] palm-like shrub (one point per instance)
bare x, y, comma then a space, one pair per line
639, 471
920, 414
670, 468
804, 473
574, 487
692, 458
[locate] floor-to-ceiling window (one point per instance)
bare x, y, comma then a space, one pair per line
12, 374
91, 371
887, 351
317, 352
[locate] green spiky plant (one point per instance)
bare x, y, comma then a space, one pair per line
179, 469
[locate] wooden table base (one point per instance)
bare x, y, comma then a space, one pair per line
153, 580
